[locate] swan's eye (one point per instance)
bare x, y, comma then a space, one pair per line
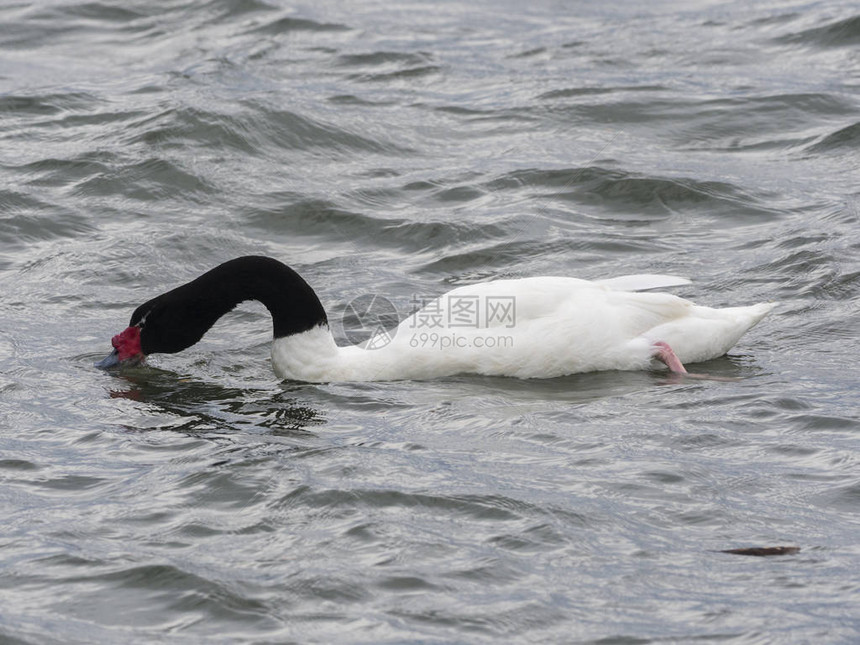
141, 324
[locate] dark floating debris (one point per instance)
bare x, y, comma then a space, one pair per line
764, 551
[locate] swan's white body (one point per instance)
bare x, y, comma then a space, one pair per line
557, 326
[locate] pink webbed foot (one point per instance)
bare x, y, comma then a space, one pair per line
665, 354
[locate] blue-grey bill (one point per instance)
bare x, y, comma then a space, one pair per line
111, 360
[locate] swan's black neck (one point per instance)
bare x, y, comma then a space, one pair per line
179, 318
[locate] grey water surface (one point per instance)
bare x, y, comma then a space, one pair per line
401, 149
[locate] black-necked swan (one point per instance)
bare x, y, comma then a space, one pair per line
554, 326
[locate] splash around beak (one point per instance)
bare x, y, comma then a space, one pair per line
113, 360
109, 361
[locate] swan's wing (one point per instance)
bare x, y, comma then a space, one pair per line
642, 282
587, 305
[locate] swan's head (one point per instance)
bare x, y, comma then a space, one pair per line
177, 319
126, 350
158, 326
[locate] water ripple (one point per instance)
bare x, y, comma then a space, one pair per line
839, 33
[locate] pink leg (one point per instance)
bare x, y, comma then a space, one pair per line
664, 354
